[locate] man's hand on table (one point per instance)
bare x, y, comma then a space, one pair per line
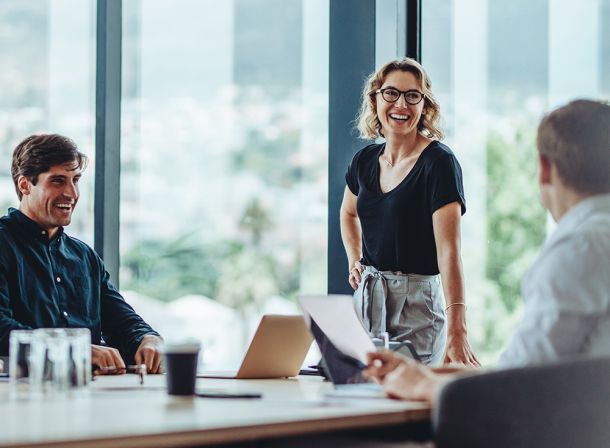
403, 378
106, 360
149, 353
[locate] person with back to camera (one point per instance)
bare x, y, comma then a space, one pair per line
400, 218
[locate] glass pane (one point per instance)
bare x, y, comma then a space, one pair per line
223, 164
495, 81
47, 76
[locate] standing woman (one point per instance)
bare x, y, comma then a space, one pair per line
400, 218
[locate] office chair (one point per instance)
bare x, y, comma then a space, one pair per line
561, 405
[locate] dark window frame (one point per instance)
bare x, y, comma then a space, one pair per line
352, 59
108, 134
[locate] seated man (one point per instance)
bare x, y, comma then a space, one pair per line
567, 289
49, 279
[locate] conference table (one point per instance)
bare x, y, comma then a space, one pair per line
116, 411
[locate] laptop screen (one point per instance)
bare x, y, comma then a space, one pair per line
341, 368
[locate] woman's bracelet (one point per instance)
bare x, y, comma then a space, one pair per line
455, 303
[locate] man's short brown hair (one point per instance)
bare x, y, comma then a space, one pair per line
38, 153
576, 139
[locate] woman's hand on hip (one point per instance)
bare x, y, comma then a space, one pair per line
355, 274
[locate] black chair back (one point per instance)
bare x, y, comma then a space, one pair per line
560, 405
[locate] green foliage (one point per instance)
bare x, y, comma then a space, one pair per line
288, 277
269, 157
168, 269
255, 220
515, 225
247, 278
248, 269
237, 274
515, 231
269, 148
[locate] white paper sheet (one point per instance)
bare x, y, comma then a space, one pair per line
336, 317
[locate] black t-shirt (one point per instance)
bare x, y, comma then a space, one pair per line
397, 233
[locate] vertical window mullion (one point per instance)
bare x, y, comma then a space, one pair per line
107, 133
352, 59
413, 31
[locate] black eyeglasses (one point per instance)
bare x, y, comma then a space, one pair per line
391, 95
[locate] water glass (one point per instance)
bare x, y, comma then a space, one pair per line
50, 360
79, 357
20, 344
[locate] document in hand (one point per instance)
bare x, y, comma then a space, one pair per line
337, 318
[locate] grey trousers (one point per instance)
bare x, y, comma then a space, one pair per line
407, 306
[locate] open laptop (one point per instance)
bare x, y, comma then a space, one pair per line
277, 350
343, 365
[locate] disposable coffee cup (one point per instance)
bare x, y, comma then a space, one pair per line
181, 367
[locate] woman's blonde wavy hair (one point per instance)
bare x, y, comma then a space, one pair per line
369, 125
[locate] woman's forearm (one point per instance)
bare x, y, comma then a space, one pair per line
450, 267
351, 234
446, 222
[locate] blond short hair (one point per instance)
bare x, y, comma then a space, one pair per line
369, 125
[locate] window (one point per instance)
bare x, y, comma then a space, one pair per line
497, 67
47, 79
223, 164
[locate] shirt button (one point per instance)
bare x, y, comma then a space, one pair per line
44, 232
65, 314
58, 279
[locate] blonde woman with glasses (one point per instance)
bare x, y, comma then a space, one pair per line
400, 219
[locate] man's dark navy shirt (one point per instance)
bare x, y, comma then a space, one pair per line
58, 283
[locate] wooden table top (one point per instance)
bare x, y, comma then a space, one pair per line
117, 411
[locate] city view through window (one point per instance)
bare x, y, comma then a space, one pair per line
224, 165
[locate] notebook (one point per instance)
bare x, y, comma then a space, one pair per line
278, 349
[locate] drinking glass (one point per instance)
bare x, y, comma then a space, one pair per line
50, 360
20, 344
79, 357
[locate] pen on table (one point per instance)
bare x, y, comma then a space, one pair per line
139, 369
226, 394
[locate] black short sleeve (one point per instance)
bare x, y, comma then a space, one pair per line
445, 183
351, 176
397, 227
